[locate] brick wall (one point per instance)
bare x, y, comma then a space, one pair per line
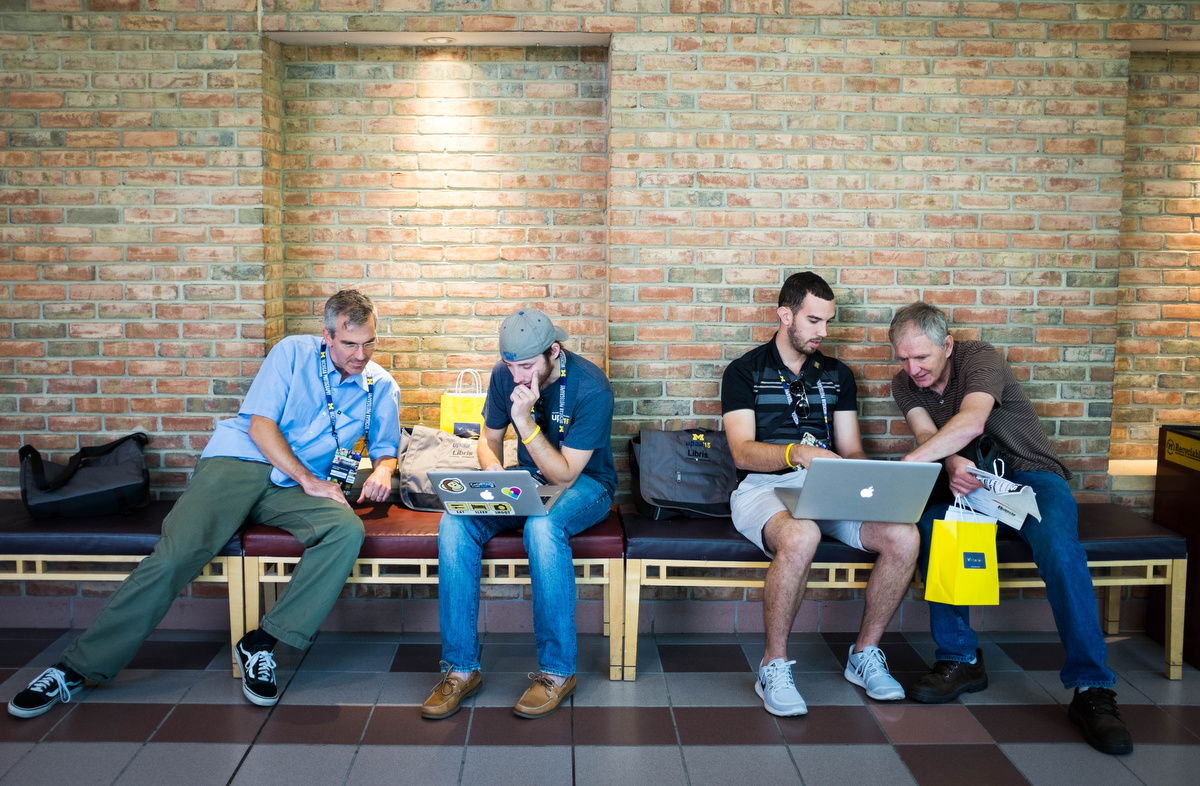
132, 292
959, 162
1158, 348
453, 184
178, 192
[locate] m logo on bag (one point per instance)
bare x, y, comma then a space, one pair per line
698, 448
974, 560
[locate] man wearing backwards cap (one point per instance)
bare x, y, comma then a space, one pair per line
561, 407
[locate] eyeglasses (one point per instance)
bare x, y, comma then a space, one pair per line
799, 398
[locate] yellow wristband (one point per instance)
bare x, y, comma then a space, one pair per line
787, 455
536, 430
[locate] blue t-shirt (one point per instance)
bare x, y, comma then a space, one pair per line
288, 390
587, 412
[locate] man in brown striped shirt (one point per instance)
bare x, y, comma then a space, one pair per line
951, 393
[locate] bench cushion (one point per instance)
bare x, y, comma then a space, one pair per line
709, 539
118, 534
1107, 532
395, 532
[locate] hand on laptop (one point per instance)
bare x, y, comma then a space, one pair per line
806, 453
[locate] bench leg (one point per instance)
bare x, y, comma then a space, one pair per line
633, 597
614, 608
1173, 636
1112, 605
251, 589
237, 605
270, 594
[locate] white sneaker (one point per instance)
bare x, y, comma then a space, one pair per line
775, 687
868, 669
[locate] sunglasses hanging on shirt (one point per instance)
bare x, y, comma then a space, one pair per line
797, 398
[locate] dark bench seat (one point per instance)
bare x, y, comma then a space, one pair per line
401, 548
1123, 549
104, 548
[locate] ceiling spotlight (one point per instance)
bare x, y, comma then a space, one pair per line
439, 39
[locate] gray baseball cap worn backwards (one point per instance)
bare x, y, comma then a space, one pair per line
527, 333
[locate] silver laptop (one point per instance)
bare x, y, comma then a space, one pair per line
858, 490
486, 493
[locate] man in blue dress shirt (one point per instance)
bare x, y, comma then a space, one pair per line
269, 465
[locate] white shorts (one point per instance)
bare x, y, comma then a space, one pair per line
755, 502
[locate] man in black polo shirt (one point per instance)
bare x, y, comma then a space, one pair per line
951, 392
785, 404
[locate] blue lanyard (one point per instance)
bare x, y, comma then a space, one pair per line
787, 394
562, 395
329, 401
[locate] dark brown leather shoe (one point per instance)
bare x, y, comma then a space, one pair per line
448, 694
543, 696
948, 680
1095, 713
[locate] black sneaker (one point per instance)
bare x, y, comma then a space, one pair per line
949, 679
1095, 712
258, 674
55, 684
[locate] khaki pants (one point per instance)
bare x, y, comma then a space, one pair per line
223, 494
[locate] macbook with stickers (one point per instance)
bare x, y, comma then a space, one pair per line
493, 493
862, 490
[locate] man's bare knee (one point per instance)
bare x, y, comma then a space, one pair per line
901, 540
790, 538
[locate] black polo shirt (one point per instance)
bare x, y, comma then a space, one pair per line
752, 382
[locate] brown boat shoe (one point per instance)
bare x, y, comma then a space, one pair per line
543, 696
448, 694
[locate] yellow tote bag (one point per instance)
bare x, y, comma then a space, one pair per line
962, 560
462, 410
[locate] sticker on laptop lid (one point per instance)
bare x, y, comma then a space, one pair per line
512, 491
459, 508
482, 484
452, 485
501, 508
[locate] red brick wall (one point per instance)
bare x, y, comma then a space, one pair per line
453, 184
1158, 349
132, 294
162, 223
154, 242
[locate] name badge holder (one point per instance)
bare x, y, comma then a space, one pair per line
345, 460
808, 438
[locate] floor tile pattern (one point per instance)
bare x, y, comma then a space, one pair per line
349, 715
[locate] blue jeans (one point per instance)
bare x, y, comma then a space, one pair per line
1063, 566
460, 555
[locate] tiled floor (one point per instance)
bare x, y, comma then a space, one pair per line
348, 716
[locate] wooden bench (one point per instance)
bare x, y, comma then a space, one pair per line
104, 548
1124, 549
401, 548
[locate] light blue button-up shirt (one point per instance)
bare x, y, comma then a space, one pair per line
288, 390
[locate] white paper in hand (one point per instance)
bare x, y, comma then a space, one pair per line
1009, 502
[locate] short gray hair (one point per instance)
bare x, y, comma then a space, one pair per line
928, 319
356, 307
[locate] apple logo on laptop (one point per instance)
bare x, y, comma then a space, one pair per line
867, 493
486, 495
